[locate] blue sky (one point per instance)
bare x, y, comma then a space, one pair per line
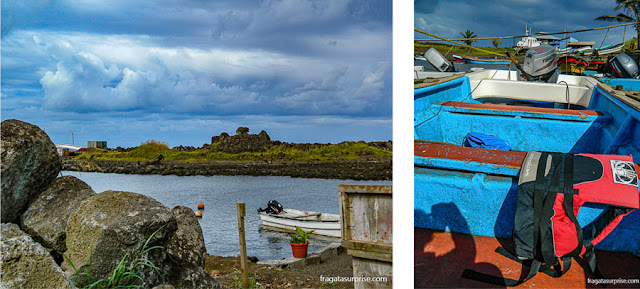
182, 71
508, 18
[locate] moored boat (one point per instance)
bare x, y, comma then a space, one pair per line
288, 219
474, 60
610, 49
473, 190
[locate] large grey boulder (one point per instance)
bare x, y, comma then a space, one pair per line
113, 223
46, 218
29, 163
26, 264
187, 243
186, 275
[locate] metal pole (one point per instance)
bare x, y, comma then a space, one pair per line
243, 245
72, 140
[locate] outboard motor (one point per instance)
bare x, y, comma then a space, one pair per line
623, 66
273, 207
438, 61
541, 64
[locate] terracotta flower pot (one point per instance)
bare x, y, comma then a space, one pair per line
299, 250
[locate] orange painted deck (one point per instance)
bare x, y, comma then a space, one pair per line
441, 257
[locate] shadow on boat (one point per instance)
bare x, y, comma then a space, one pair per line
439, 260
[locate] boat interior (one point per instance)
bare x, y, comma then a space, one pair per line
575, 114
471, 190
307, 215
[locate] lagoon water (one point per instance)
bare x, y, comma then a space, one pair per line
219, 194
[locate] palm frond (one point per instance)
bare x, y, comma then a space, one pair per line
618, 18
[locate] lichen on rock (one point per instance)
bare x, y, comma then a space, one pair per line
26, 264
29, 163
113, 223
188, 242
47, 216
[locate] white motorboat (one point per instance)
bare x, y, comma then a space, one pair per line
288, 219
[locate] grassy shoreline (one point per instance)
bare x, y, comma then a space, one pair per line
314, 153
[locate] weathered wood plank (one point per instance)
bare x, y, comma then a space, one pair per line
377, 270
368, 246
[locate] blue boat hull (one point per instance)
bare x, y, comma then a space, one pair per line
478, 197
626, 83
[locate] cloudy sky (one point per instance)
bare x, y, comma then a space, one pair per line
182, 71
509, 17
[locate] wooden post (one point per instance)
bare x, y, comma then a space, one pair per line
243, 245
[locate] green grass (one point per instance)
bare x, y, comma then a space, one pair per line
120, 276
628, 43
151, 151
253, 284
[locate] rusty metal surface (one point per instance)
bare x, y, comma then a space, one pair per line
500, 107
512, 159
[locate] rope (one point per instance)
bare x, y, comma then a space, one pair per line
605, 37
463, 45
509, 37
449, 50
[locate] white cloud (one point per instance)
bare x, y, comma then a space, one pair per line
85, 72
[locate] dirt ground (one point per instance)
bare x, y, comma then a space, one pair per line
226, 270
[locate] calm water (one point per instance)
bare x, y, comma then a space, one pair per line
219, 194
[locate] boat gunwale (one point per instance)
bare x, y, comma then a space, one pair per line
301, 220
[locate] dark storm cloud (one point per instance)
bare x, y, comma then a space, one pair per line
506, 18
192, 60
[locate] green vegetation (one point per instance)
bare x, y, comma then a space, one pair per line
468, 34
496, 43
300, 236
253, 284
630, 45
151, 150
632, 7
120, 277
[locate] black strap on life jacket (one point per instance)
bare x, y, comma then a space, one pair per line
544, 196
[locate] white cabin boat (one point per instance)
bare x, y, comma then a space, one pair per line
61, 147
322, 223
528, 41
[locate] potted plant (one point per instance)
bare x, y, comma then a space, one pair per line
299, 243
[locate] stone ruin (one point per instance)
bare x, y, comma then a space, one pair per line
242, 142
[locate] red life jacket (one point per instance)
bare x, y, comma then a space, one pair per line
551, 190
617, 186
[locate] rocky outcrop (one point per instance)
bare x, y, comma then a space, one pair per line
244, 142
187, 275
46, 218
113, 223
187, 243
359, 169
263, 134
242, 130
95, 233
186, 256
26, 264
29, 163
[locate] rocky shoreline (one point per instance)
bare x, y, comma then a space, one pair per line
365, 166
58, 233
360, 169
